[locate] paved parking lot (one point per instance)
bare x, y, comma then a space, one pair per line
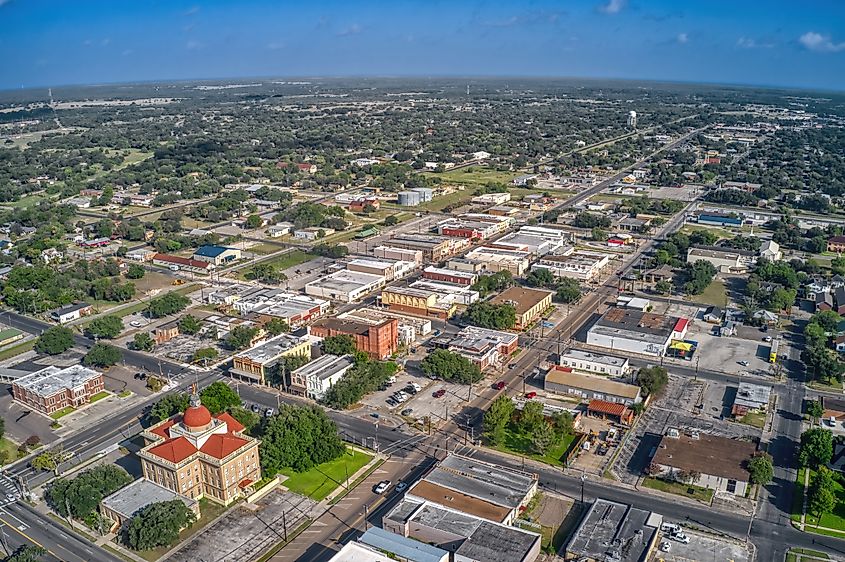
704, 548
676, 409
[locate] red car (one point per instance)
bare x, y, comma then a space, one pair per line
499, 385
439, 393
531, 395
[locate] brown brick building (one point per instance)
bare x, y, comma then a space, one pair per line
200, 456
379, 341
51, 389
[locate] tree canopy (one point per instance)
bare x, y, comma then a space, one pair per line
80, 496
816, 448
341, 344
299, 438
493, 316
450, 366
108, 327
653, 379
167, 304
102, 355
55, 340
219, 397
158, 524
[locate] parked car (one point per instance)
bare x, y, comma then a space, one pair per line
500, 385
382, 487
269, 412
374, 415
530, 395
255, 408
767, 338
665, 546
680, 537
391, 402
743, 363
670, 528
401, 486
140, 376
136, 323
439, 393
407, 411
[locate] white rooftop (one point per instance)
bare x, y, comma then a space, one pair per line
51, 380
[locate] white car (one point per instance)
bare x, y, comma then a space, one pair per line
382, 487
665, 546
767, 339
680, 537
671, 528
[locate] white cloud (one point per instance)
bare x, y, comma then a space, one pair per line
820, 43
682, 38
613, 6
4, 2
528, 18
750, 43
353, 29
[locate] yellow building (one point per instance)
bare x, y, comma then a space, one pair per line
253, 364
417, 302
200, 456
528, 303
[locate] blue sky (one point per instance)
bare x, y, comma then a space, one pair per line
769, 42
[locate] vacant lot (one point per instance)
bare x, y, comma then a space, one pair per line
475, 175
323, 479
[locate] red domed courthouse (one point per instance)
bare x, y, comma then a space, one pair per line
199, 455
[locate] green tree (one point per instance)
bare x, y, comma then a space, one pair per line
663, 287
598, 234
276, 326
829, 320
496, 418
189, 324
102, 355
26, 553
54, 341
107, 327
365, 376
253, 221
450, 366
492, 316
821, 497
542, 438
167, 304
815, 410
80, 496
540, 277
204, 354
495, 282
563, 424
299, 438
760, 468
339, 345
390, 221
250, 420
240, 337
653, 379
48, 460
169, 405
219, 397
837, 265
158, 524
143, 342
568, 291
531, 417
816, 448
135, 271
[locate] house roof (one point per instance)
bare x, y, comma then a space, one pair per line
522, 299
709, 454
231, 423
178, 260
221, 445
605, 407
174, 450
457, 500
565, 376
209, 251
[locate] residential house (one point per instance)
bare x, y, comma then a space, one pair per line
71, 312
836, 244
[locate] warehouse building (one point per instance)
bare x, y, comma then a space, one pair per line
529, 304
725, 260
345, 286
178, 263
402, 254
449, 275
493, 259
565, 381
644, 333
434, 248
379, 341
218, 255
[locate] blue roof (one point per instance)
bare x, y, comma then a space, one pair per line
210, 251
404, 548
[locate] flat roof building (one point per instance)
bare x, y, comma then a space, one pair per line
485, 490
122, 505
720, 463
594, 363
751, 398
485, 348
52, 388
449, 275
345, 285
390, 270
612, 531
379, 341
563, 380
255, 363
494, 259
314, 379
472, 538
631, 330
580, 265
529, 304
725, 260
433, 247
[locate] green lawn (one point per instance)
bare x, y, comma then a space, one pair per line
99, 396
9, 450
63, 412
714, 294
680, 489
27, 201
718, 231
442, 201
323, 479
520, 444
474, 175
805, 554
834, 520
209, 511
798, 496
288, 260
15, 350
754, 419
